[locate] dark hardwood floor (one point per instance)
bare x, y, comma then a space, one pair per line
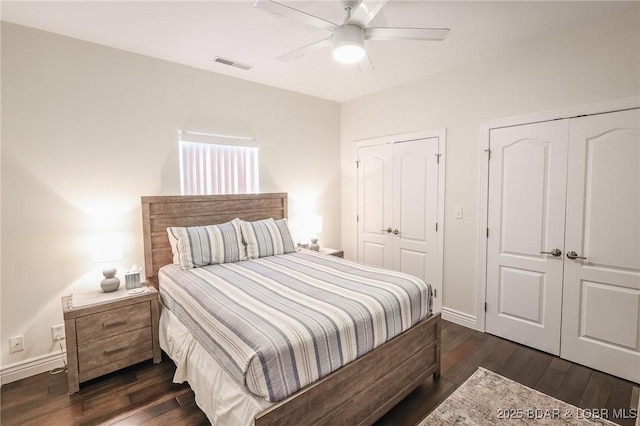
145, 394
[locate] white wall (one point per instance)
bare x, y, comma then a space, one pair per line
87, 130
598, 62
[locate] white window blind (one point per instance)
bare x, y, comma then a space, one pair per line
212, 164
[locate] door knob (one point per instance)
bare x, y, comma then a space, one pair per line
555, 252
573, 255
396, 232
388, 230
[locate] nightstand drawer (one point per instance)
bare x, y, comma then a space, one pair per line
113, 322
113, 349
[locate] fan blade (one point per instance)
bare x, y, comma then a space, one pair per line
365, 65
295, 54
365, 11
295, 14
435, 34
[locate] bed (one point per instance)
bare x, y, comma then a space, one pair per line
359, 392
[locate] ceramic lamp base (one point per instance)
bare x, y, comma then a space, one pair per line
314, 244
110, 282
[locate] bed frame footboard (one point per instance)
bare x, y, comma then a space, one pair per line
364, 390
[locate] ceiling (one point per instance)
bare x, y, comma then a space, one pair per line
193, 33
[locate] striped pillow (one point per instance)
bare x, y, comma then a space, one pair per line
198, 246
267, 237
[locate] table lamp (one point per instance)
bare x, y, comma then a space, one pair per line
108, 249
315, 228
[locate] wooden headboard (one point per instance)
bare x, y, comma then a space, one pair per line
161, 212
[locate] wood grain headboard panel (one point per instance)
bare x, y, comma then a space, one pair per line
161, 212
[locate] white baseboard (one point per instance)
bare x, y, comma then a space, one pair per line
31, 367
460, 318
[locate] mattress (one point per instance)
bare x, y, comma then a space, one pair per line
279, 323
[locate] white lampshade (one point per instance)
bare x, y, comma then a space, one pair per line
315, 224
348, 42
107, 248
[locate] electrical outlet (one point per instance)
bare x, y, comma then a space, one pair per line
57, 332
16, 344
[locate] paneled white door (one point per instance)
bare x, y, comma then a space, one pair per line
601, 302
398, 197
375, 192
527, 183
415, 207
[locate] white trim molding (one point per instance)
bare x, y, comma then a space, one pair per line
30, 367
460, 318
402, 137
485, 131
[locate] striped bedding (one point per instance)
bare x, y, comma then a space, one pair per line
279, 323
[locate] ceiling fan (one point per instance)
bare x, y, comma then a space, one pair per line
348, 38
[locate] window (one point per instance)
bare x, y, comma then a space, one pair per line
212, 164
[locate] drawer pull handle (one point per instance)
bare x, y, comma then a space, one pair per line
110, 352
114, 323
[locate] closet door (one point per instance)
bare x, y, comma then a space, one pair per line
415, 208
527, 183
601, 301
375, 189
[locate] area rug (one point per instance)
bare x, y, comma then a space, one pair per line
487, 398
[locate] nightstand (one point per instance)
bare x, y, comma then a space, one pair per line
112, 332
331, 252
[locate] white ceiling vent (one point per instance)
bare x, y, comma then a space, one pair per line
231, 63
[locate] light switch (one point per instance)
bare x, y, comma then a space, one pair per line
458, 211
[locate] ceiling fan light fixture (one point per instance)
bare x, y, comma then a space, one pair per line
348, 53
348, 44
